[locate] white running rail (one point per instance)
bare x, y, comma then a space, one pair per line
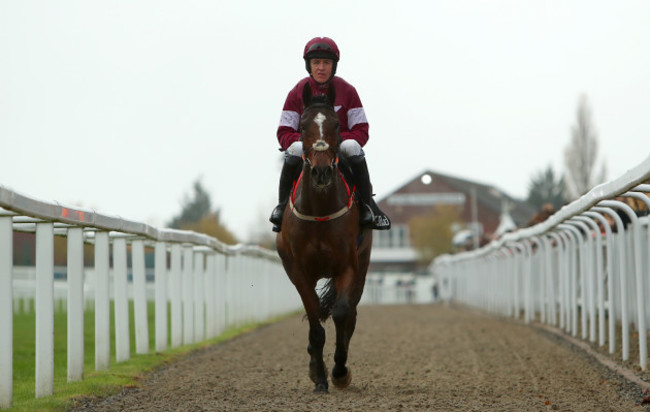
207, 285
585, 269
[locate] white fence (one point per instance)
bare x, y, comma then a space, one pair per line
398, 288
585, 269
207, 286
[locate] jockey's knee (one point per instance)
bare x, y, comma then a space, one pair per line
350, 148
294, 150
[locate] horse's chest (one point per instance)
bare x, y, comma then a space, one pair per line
324, 254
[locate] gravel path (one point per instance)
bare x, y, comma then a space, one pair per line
403, 358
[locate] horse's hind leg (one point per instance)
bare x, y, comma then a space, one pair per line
345, 317
349, 288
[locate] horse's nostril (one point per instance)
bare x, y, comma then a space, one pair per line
321, 175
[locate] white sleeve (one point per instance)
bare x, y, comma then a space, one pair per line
356, 116
290, 119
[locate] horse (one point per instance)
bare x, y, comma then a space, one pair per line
321, 239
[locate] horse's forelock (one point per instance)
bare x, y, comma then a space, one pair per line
320, 100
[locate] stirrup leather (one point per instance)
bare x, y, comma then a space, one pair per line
366, 210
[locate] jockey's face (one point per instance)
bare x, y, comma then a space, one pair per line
321, 69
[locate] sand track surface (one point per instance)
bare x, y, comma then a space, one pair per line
410, 358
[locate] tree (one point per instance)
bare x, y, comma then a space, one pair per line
544, 188
210, 225
260, 231
193, 209
431, 235
196, 215
580, 155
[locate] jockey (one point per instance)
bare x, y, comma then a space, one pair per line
321, 57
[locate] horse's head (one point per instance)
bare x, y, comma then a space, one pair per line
320, 136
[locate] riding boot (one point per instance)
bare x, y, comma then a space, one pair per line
369, 214
290, 171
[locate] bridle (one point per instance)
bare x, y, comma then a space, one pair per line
321, 145
318, 146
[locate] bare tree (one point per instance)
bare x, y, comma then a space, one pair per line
581, 153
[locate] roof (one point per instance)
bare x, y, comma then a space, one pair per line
487, 195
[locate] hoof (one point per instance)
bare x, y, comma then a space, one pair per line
343, 381
316, 377
321, 388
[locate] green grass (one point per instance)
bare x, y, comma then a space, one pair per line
94, 384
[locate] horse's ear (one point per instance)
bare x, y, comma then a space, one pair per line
331, 95
306, 94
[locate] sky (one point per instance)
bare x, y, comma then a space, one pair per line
121, 106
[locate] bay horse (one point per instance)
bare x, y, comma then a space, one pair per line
321, 238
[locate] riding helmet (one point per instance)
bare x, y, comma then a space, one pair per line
321, 47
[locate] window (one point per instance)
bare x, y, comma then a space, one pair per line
397, 237
380, 239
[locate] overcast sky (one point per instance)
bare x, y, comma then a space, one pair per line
120, 106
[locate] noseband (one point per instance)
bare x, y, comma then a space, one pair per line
320, 146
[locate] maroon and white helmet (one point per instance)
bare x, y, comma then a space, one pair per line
321, 47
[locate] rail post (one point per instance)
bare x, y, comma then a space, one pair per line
588, 310
210, 295
188, 295
6, 311
102, 302
139, 297
176, 279
199, 286
620, 254
575, 243
638, 271
160, 279
44, 309
75, 304
607, 264
120, 275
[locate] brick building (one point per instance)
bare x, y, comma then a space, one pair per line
483, 204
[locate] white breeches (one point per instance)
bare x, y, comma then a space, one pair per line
347, 149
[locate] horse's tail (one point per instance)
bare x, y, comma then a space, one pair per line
327, 298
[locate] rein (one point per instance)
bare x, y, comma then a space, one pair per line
334, 215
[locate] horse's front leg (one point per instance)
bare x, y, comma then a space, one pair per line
317, 370
344, 314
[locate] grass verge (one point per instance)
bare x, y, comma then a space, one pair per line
94, 384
